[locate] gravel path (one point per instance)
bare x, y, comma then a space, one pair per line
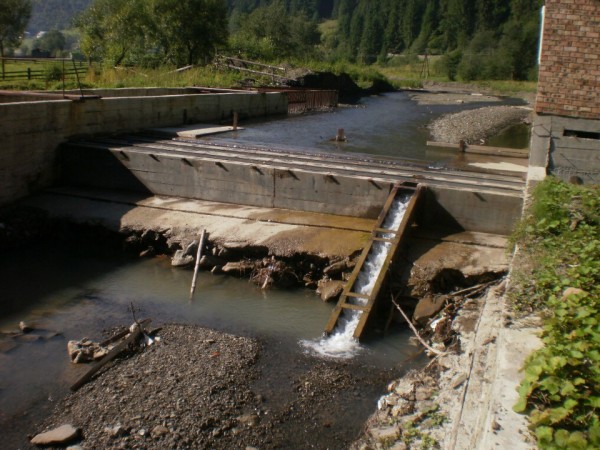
476, 125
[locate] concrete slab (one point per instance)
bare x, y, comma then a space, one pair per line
282, 232
193, 131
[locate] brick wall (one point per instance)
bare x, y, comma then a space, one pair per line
569, 75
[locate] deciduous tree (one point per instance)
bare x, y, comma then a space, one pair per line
14, 15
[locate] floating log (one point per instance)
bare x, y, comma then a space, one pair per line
134, 336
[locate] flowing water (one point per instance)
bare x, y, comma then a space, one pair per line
385, 125
80, 294
341, 343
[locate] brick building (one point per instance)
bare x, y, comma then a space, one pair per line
566, 132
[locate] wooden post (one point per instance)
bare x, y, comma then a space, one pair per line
197, 265
340, 136
235, 121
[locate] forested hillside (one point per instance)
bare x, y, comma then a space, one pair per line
54, 14
480, 38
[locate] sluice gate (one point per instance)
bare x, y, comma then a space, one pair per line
363, 290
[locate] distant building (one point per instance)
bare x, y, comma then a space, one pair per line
566, 132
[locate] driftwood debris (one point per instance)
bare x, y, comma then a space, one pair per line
132, 338
414, 330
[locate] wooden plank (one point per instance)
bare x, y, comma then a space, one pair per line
355, 295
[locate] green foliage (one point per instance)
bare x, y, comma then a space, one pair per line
53, 41
561, 387
264, 34
149, 33
14, 15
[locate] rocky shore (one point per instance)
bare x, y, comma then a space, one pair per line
475, 126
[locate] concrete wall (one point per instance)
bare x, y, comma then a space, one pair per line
30, 132
239, 183
567, 147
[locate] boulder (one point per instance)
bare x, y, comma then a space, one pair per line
428, 307
239, 268
181, 260
61, 435
335, 269
330, 290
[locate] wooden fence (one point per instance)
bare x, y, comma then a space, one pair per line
46, 69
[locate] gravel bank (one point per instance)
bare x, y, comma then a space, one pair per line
199, 388
477, 125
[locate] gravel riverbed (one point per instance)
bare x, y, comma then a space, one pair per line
199, 388
475, 126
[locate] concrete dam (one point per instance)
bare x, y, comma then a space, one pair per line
117, 165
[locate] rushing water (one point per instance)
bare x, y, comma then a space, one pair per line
341, 343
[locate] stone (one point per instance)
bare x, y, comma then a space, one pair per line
335, 268
181, 260
458, 380
427, 308
330, 290
385, 435
424, 393
217, 270
25, 328
61, 435
399, 446
571, 291
248, 420
238, 268
75, 447
159, 430
191, 249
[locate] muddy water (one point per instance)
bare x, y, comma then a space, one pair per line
79, 295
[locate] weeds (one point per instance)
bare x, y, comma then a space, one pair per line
561, 388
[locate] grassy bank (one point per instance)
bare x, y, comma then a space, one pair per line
558, 276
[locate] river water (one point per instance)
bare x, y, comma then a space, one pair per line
79, 294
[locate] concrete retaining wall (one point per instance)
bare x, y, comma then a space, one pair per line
239, 183
30, 132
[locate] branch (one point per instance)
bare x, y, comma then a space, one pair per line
414, 330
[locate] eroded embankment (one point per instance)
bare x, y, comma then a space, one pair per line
440, 267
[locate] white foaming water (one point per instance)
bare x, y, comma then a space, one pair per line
341, 343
